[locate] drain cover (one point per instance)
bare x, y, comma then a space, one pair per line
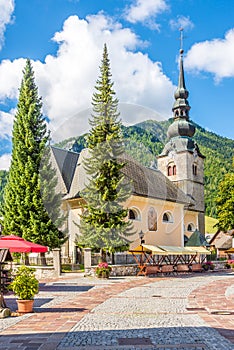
222, 312
195, 309
134, 341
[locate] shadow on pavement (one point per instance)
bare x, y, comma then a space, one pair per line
192, 338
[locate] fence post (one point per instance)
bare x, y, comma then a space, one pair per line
57, 262
87, 260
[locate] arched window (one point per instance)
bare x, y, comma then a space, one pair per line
167, 217
194, 169
133, 214
152, 219
171, 169
191, 227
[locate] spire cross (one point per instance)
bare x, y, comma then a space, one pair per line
181, 39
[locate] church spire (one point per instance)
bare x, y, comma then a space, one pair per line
181, 125
181, 105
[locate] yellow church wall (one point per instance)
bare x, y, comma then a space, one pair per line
167, 233
190, 217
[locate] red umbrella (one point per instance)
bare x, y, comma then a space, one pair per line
19, 245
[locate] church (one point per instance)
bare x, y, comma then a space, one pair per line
166, 205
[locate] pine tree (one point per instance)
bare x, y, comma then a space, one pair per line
225, 202
23, 208
103, 224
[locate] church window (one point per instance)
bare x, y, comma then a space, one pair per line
152, 219
167, 217
194, 169
171, 169
134, 214
191, 227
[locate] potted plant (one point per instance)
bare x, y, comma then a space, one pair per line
25, 285
103, 270
208, 266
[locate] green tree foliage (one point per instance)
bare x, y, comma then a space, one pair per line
103, 224
23, 209
225, 203
3, 181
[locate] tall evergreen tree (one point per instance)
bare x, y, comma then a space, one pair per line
103, 224
23, 209
225, 202
3, 181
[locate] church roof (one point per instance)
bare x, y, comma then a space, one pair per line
66, 162
146, 182
197, 239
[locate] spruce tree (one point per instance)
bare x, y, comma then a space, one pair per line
225, 202
103, 224
23, 209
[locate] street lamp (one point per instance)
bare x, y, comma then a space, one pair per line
141, 235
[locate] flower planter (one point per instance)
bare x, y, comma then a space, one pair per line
25, 306
103, 270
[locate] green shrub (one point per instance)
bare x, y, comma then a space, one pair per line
25, 285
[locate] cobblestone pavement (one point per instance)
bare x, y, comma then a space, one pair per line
191, 311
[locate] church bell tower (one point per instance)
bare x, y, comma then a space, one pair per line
181, 160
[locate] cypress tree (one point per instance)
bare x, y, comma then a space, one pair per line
23, 209
103, 224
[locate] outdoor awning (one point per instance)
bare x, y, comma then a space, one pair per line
176, 250
17, 244
169, 250
200, 250
146, 248
229, 251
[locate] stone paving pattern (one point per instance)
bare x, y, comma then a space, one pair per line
126, 313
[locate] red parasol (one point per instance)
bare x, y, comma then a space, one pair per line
19, 245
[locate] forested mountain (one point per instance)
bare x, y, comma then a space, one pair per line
146, 140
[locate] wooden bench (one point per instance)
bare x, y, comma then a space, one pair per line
167, 269
196, 268
182, 268
152, 270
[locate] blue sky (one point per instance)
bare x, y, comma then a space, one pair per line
64, 39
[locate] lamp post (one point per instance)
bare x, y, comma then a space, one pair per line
141, 235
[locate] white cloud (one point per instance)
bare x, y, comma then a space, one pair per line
6, 122
66, 80
5, 161
214, 56
145, 11
10, 78
6, 10
181, 22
